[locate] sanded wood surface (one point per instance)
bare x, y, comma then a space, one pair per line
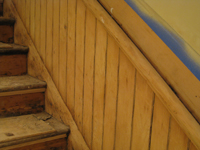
12, 65
15, 130
21, 104
1, 9
14, 83
9, 49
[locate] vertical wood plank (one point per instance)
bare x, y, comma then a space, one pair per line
56, 38
28, 5
63, 49
143, 110
43, 31
37, 25
71, 40
160, 126
32, 20
23, 6
177, 138
125, 103
99, 86
79, 68
111, 94
89, 76
49, 51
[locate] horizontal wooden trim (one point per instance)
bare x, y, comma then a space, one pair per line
35, 142
23, 92
155, 81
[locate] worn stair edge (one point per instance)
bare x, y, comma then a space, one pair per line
13, 49
17, 83
7, 21
42, 120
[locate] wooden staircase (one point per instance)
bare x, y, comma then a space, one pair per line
23, 122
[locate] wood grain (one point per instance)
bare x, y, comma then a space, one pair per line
90, 40
21, 104
79, 66
71, 55
12, 65
160, 126
7, 33
57, 144
125, 103
142, 119
111, 93
188, 123
99, 86
38, 69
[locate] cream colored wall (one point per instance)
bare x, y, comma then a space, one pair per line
182, 16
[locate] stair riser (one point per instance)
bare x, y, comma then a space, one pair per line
6, 33
58, 144
21, 104
12, 65
1, 9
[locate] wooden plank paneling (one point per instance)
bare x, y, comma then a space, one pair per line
111, 94
63, 49
142, 119
177, 138
32, 19
28, 6
79, 66
56, 38
71, 41
37, 25
125, 103
43, 29
90, 30
112, 108
171, 68
160, 126
99, 86
49, 36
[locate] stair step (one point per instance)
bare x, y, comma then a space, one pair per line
29, 128
20, 95
17, 83
7, 30
13, 59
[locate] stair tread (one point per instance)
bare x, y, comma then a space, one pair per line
20, 129
17, 83
6, 48
6, 21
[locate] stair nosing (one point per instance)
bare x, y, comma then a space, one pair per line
15, 49
17, 83
7, 21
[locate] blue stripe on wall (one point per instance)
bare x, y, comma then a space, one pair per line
175, 43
